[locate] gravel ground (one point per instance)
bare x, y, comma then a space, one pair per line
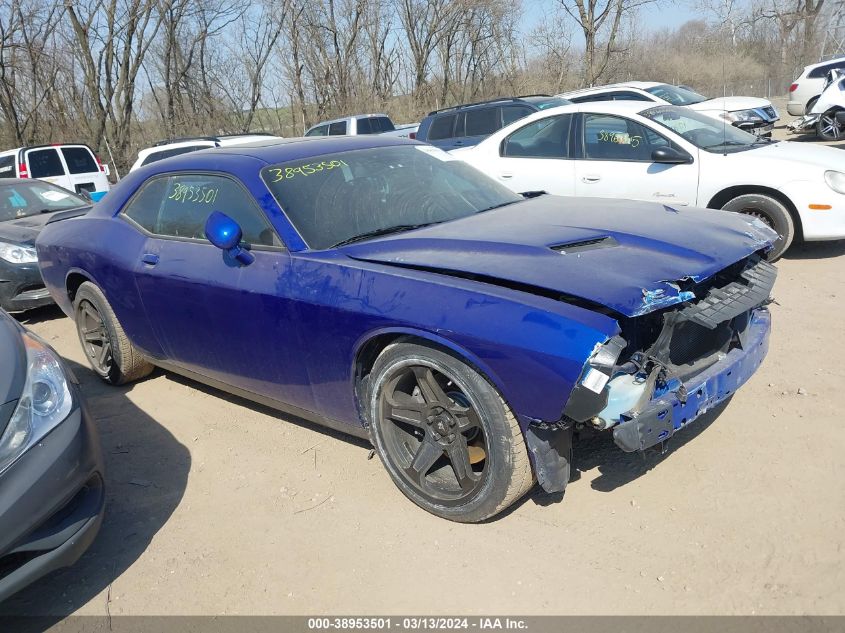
220, 506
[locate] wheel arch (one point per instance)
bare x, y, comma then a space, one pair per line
729, 193
73, 280
370, 346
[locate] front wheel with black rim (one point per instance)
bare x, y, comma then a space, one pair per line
109, 351
773, 213
444, 434
828, 128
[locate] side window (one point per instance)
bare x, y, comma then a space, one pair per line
318, 131
514, 113
338, 128
179, 205
44, 163
546, 138
441, 127
7, 166
169, 153
79, 160
385, 124
614, 138
590, 98
821, 71
482, 121
365, 126
625, 95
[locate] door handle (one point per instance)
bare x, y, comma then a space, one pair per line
506, 174
590, 178
150, 259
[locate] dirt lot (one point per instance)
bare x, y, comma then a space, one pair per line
219, 506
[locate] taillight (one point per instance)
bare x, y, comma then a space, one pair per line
22, 171
793, 88
99, 163
412, 135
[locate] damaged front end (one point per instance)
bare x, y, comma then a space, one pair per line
668, 367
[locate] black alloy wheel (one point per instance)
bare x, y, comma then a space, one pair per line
446, 437
434, 433
94, 336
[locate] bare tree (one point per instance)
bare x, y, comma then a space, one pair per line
111, 40
600, 22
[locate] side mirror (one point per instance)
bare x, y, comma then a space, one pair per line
226, 234
670, 156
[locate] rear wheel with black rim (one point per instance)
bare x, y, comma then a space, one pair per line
772, 212
108, 349
446, 437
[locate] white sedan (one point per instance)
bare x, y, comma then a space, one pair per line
751, 114
671, 155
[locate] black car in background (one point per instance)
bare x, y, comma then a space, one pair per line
26, 206
469, 124
51, 467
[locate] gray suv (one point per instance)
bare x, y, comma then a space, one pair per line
469, 124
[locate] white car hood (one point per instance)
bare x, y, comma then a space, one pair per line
801, 156
730, 104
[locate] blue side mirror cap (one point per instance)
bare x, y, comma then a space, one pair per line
226, 234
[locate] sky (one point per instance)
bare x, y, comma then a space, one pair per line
657, 15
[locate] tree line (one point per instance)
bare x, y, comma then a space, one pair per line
120, 74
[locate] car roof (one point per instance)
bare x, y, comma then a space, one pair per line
45, 145
824, 63
273, 151
346, 118
639, 85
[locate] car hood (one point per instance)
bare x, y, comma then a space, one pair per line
799, 155
25, 230
731, 104
626, 256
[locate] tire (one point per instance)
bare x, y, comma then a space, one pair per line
429, 408
828, 129
771, 211
110, 353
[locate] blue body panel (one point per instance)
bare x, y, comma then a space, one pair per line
289, 326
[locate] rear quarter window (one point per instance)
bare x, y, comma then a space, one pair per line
79, 160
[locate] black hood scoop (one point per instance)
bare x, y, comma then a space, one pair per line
580, 246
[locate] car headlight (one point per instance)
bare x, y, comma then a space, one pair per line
741, 116
835, 180
44, 403
17, 254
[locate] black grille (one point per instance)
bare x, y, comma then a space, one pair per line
691, 342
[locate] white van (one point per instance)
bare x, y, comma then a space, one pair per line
72, 166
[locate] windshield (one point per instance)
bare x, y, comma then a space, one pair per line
22, 199
335, 198
702, 131
676, 95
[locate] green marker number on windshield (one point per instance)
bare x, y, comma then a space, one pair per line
286, 173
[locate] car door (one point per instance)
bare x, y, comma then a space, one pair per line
615, 162
536, 157
211, 315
